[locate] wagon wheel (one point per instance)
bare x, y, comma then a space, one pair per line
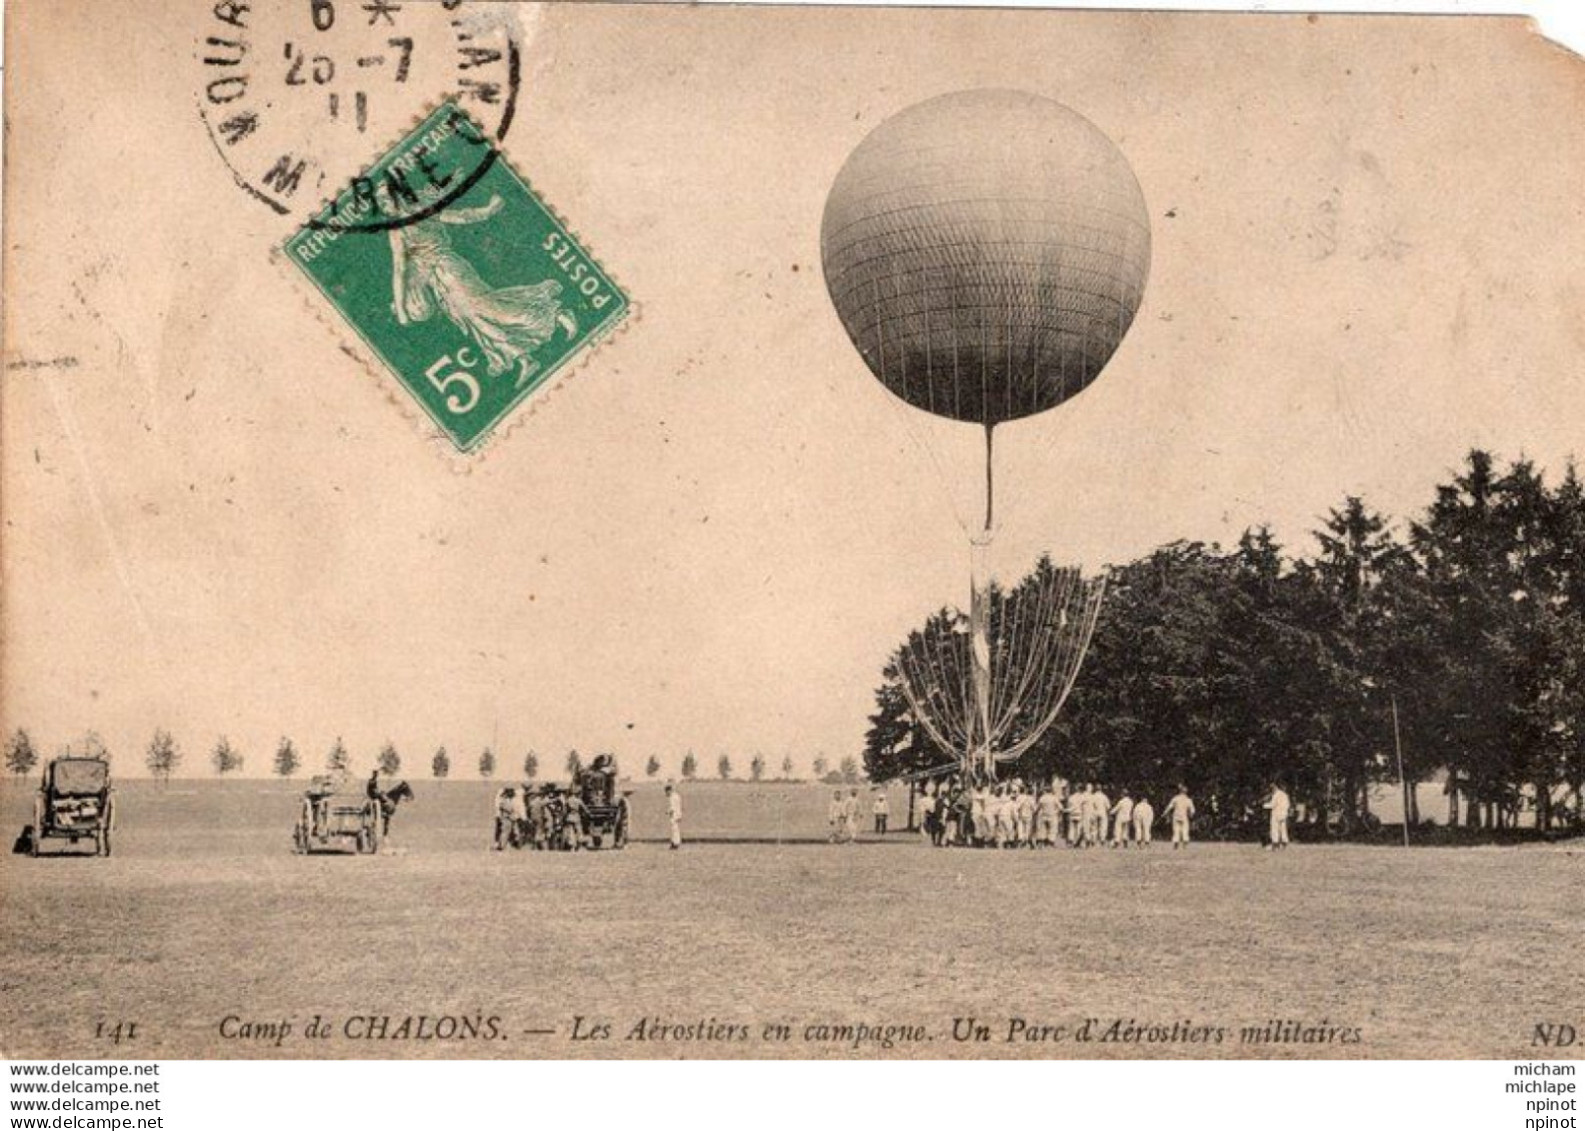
371, 821
38, 825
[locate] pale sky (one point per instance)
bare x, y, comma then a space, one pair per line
1368, 256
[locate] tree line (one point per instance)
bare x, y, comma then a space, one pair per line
1455, 640
164, 757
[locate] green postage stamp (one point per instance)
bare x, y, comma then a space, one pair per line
457, 276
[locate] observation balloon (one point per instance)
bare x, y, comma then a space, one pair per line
986, 252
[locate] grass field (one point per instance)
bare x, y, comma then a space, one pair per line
204, 914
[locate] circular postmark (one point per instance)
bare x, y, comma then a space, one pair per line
300, 96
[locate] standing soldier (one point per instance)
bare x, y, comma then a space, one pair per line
1279, 805
574, 821
979, 814
1100, 806
1122, 820
1144, 817
1024, 816
834, 817
1180, 809
881, 809
959, 814
929, 815
503, 816
536, 817
850, 816
1048, 816
1078, 813
999, 814
520, 833
674, 815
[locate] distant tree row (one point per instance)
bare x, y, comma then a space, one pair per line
1458, 638
164, 757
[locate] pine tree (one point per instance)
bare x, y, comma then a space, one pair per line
224, 757
487, 764
652, 767
389, 761
20, 756
286, 761
337, 761
163, 756
440, 764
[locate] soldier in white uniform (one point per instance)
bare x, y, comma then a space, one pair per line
1100, 806
1078, 813
1144, 817
1180, 809
850, 817
1024, 817
1048, 810
1279, 805
1122, 820
881, 810
674, 814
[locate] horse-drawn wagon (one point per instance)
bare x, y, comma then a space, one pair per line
330, 819
74, 803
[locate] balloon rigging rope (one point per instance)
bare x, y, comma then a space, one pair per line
1044, 636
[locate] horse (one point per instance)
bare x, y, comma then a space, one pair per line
389, 799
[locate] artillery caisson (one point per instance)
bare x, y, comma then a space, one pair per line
74, 803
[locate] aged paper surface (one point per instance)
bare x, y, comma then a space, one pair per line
236, 514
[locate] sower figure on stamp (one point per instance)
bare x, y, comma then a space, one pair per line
506, 323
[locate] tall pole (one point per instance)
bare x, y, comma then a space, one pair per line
1403, 783
990, 479
980, 622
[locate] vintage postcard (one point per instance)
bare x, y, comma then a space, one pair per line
653, 531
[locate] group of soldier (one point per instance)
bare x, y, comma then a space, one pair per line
539, 817
1015, 814
842, 815
954, 811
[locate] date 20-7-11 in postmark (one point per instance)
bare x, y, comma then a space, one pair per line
457, 276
